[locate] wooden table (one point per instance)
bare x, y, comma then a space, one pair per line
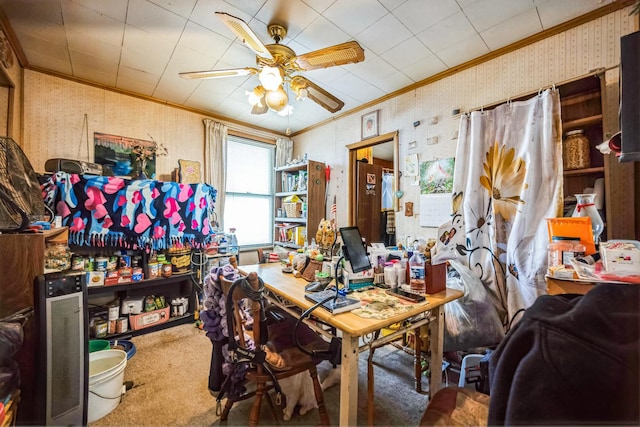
286, 288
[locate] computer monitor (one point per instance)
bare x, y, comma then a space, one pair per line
353, 249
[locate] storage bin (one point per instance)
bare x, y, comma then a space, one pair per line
293, 210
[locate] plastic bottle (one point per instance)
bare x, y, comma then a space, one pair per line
416, 267
233, 241
222, 246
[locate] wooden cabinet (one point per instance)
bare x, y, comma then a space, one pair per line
293, 224
584, 106
22, 258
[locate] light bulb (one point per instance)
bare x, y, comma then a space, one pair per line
255, 96
270, 77
302, 95
276, 99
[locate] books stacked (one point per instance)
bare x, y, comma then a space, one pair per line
332, 304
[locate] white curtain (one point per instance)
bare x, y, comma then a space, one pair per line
284, 151
507, 181
215, 162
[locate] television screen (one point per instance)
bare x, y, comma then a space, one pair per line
354, 250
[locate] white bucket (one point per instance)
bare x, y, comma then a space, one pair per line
106, 379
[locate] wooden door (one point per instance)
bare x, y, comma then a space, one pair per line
368, 201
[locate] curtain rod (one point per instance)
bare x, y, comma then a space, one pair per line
595, 72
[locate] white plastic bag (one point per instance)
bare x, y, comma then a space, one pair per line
471, 321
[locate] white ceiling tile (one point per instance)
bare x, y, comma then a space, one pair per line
86, 61
418, 15
516, 28
406, 53
424, 68
555, 12
447, 32
173, 92
94, 75
463, 51
39, 50
390, 5
204, 41
353, 16
320, 34
80, 19
319, 5
29, 18
488, 13
182, 7
384, 34
95, 46
59, 64
238, 55
137, 80
158, 22
294, 15
116, 9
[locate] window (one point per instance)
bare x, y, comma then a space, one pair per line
249, 196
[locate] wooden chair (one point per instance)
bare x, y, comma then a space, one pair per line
275, 355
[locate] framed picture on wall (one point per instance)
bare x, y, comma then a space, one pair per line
370, 124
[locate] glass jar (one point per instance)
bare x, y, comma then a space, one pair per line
575, 151
562, 249
57, 256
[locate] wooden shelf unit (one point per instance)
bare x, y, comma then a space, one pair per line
176, 286
313, 194
584, 106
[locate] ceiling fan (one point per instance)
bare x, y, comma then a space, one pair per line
278, 64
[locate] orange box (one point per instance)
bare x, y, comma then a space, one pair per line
573, 227
148, 318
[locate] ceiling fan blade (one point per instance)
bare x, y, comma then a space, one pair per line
244, 33
316, 94
340, 54
216, 74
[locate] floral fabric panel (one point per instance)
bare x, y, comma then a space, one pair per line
117, 212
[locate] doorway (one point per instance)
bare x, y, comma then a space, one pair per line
367, 185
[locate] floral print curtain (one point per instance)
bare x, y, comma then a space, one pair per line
507, 181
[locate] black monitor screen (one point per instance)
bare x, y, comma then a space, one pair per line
354, 250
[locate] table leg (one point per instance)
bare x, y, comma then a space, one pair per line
349, 381
417, 358
436, 342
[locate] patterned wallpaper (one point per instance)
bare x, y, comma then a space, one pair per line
553, 60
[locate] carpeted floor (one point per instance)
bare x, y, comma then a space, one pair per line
170, 375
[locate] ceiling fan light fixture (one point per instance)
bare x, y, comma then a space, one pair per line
302, 94
256, 96
277, 99
271, 77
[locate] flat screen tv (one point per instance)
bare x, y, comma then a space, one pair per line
353, 249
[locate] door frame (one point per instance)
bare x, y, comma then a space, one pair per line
353, 170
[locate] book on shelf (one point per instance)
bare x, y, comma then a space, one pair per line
339, 305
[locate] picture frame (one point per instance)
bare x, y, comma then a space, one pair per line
370, 124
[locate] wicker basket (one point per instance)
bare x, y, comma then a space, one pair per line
293, 210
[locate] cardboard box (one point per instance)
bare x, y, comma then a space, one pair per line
95, 278
117, 280
621, 255
148, 319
